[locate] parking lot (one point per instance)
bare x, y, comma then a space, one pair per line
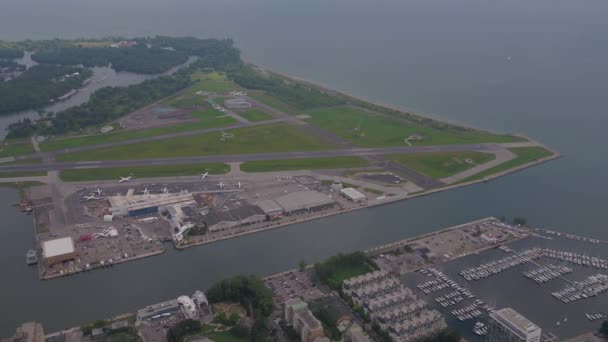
293, 284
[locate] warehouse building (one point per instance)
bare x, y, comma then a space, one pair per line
58, 250
220, 220
353, 195
304, 201
271, 208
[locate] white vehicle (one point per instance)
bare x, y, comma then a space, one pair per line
92, 197
221, 185
165, 190
204, 175
124, 179
146, 192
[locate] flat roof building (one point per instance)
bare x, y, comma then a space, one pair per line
270, 207
155, 311
302, 201
27, 332
507, 325
247, 214
58, 250
353, 195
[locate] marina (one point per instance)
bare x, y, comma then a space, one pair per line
500, 265
547, 273
590, 287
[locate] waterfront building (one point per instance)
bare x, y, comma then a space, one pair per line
304, 201
189, 309
507, 325
27, 332
155, 311
353, 195
225, 219
58, 250
271, 208
303, 321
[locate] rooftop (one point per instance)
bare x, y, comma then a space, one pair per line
52, 248
303, 200
515, 322
352, 193
232, 215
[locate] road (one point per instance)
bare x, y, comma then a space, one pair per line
359, 152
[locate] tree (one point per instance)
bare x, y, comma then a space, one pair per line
302, 265
604, 328
408, 249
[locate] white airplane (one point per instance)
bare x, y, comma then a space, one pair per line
239, 185
165, 190
146, 192
92, 197
204, 175
124, 179
220, 185
99, 192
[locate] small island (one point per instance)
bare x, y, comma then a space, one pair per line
217, 149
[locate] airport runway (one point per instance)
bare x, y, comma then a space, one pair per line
359, 152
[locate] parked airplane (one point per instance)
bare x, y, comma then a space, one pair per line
165, 190
146, 192
220, 185
99, 192
124, 179
239, 184
92, 197
204, 175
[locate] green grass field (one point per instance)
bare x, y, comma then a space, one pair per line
272, 102
185, 101
255, 114
16, 149
77, 175
258, 139
303, 164
525, 155
441, 164
214, 82
208, 118
22, 174
376, 130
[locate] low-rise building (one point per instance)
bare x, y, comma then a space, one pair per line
27, 332
271, 208
356, 334
58, 250
307, 326
353, 195
155, 311
219, 220
304, 201
507, 325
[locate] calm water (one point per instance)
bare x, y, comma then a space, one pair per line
445, 57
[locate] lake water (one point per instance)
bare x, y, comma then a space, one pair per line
538, 68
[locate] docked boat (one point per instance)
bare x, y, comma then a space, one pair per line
31, 257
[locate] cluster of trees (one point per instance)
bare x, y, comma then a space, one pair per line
105, 105
296, 95
138, 58
447, 335
183, 329
212, 53
327, 270
10, 53
249, 291
38, 85
329, 320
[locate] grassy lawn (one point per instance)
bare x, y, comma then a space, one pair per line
441, 164
214, 82
76, 175
255, 114
303, 164
375, 130
525, 155
185, 101
16, 149
373, 191
28, 161
22, 174
208, 118
270, 138
272, 102
346, 272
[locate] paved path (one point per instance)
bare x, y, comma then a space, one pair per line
43, 179
359, 152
